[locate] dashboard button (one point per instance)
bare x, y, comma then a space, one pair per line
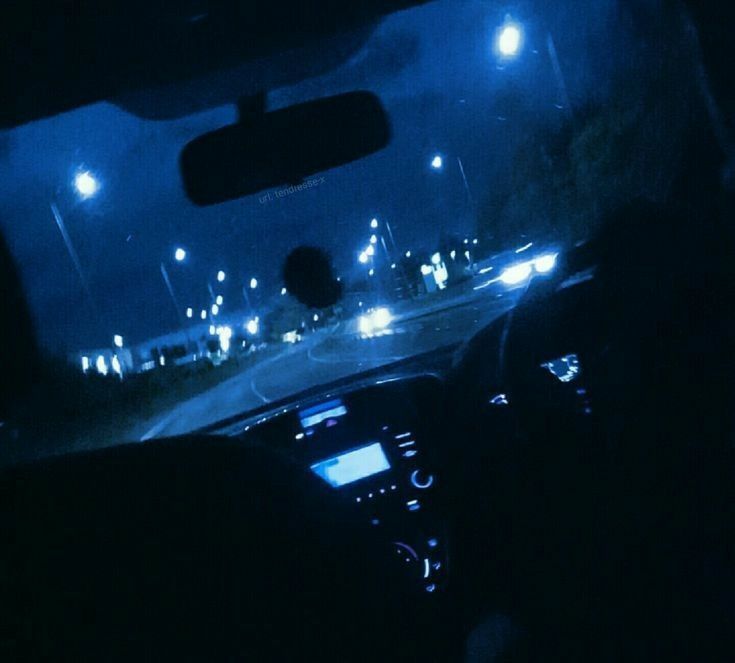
421, 479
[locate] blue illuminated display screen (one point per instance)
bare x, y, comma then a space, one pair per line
313, 416
352, 465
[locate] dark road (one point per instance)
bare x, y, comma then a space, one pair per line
329, 355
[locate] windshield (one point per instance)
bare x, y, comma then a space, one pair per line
514, 130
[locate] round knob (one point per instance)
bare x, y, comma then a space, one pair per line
421, 479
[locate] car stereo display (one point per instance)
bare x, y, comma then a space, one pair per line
313, 416
352, 465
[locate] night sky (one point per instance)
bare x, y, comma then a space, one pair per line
435, 71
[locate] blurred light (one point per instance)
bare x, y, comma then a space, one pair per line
359, 303
253, 283
179, 254
382, 317
116, 367
467, 255
364, 324
219, 300
408, 254
215, 309
373, 239
220, 276
426, 270
452, 254
436, 259
545, 263
393, 265
117, 340
374, 224
162, 360
101, 365
441, 275
474, 241
224, 343
252, 327
86, 184
203, 314
509, 40
225, 332
316, 317
466, 241
85, 364
189, 312
437, 162
371, 272
283, 291
370, 250
363, 257
516, 274
524, 247
212, 330
292, 337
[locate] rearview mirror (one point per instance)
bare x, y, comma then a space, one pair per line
283, 147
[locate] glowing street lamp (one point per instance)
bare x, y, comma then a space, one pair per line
253, 283
374, 224
437, 162
189, 312
220, 276
117, 340
180, 254
86, 184
509, 40
363, 257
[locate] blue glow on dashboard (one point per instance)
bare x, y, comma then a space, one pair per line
352, 466
565, 368
312, 416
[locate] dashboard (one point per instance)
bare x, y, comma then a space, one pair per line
372, 447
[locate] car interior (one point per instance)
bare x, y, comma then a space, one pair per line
556, 486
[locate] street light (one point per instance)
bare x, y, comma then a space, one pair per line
203, 314
253, 283
117, 340
219, 300
408, 254
373, 239
374, 224
370, 250
220, 276
180, 254
215, 309
509, 38
189, 312
86, 184
437, 162
363, 257
283, 291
